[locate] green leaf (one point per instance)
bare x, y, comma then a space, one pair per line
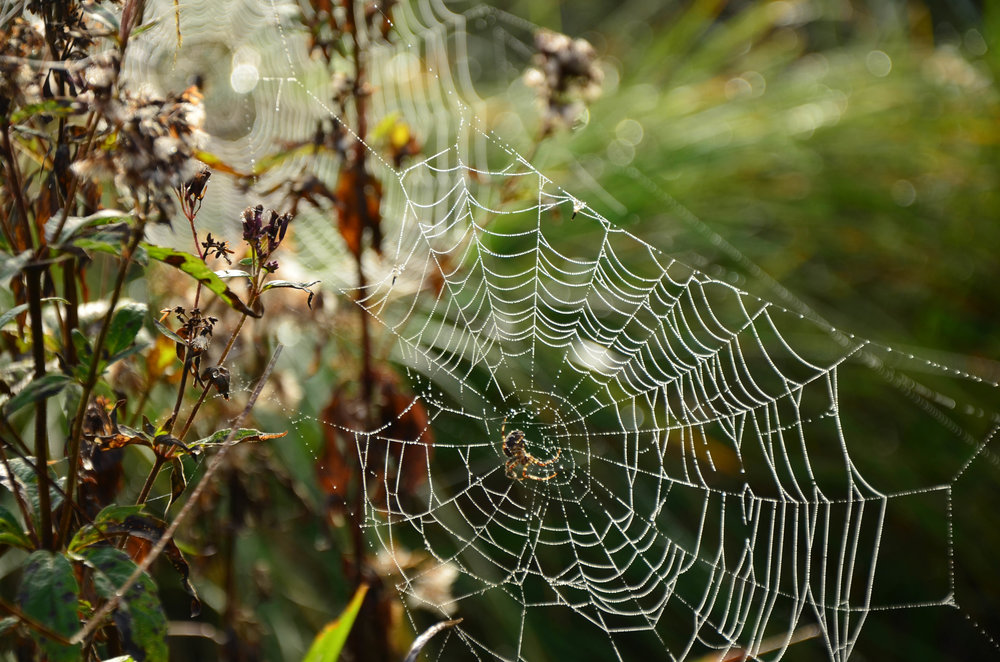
49, 594
327, 644
11, 265
295, 286
110, 243
128, 521
232, 273
193, 266
47, 107
9, 316
17, 310
162, 328
23, 478
37, 389
107, 522
216, 163
218, 437
124, 326
139, 616
11, 532
76, 225
145, 26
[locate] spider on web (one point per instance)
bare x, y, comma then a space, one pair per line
520, 458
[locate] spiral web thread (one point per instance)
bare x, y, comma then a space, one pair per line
708, 490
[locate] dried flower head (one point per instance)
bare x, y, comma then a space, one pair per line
20, 82
217, 248
151, 142
566, 77
263, 236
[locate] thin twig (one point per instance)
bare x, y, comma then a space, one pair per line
98, 617
34, 278
22, 229
421, 641
255, 294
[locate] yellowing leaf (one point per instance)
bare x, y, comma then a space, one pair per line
328, 643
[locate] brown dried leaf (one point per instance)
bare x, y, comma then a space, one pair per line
406, 419
334, 469
359, 198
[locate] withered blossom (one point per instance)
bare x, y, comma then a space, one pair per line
196, 329
193, 191
262, 236
217, 248
151, 142
20, 82
218, 376
566, 77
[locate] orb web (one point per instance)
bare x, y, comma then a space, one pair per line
715, 483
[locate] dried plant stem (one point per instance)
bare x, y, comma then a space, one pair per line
180, 389
72, 320
76, 431
8, 232
427, 635
98, 617
22, 238
34, 277
147, 486
74, 181
251, 301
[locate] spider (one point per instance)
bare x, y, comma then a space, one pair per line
521, 459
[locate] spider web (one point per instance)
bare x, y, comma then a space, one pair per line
718, 484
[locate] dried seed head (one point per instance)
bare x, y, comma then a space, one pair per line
565, 76
152, 143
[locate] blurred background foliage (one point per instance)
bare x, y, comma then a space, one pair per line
848, 149
836, 156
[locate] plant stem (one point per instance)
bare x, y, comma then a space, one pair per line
251, 300
21, 229
150, 479
180, 389
76, 430
34, 277
72, 319
74, 181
